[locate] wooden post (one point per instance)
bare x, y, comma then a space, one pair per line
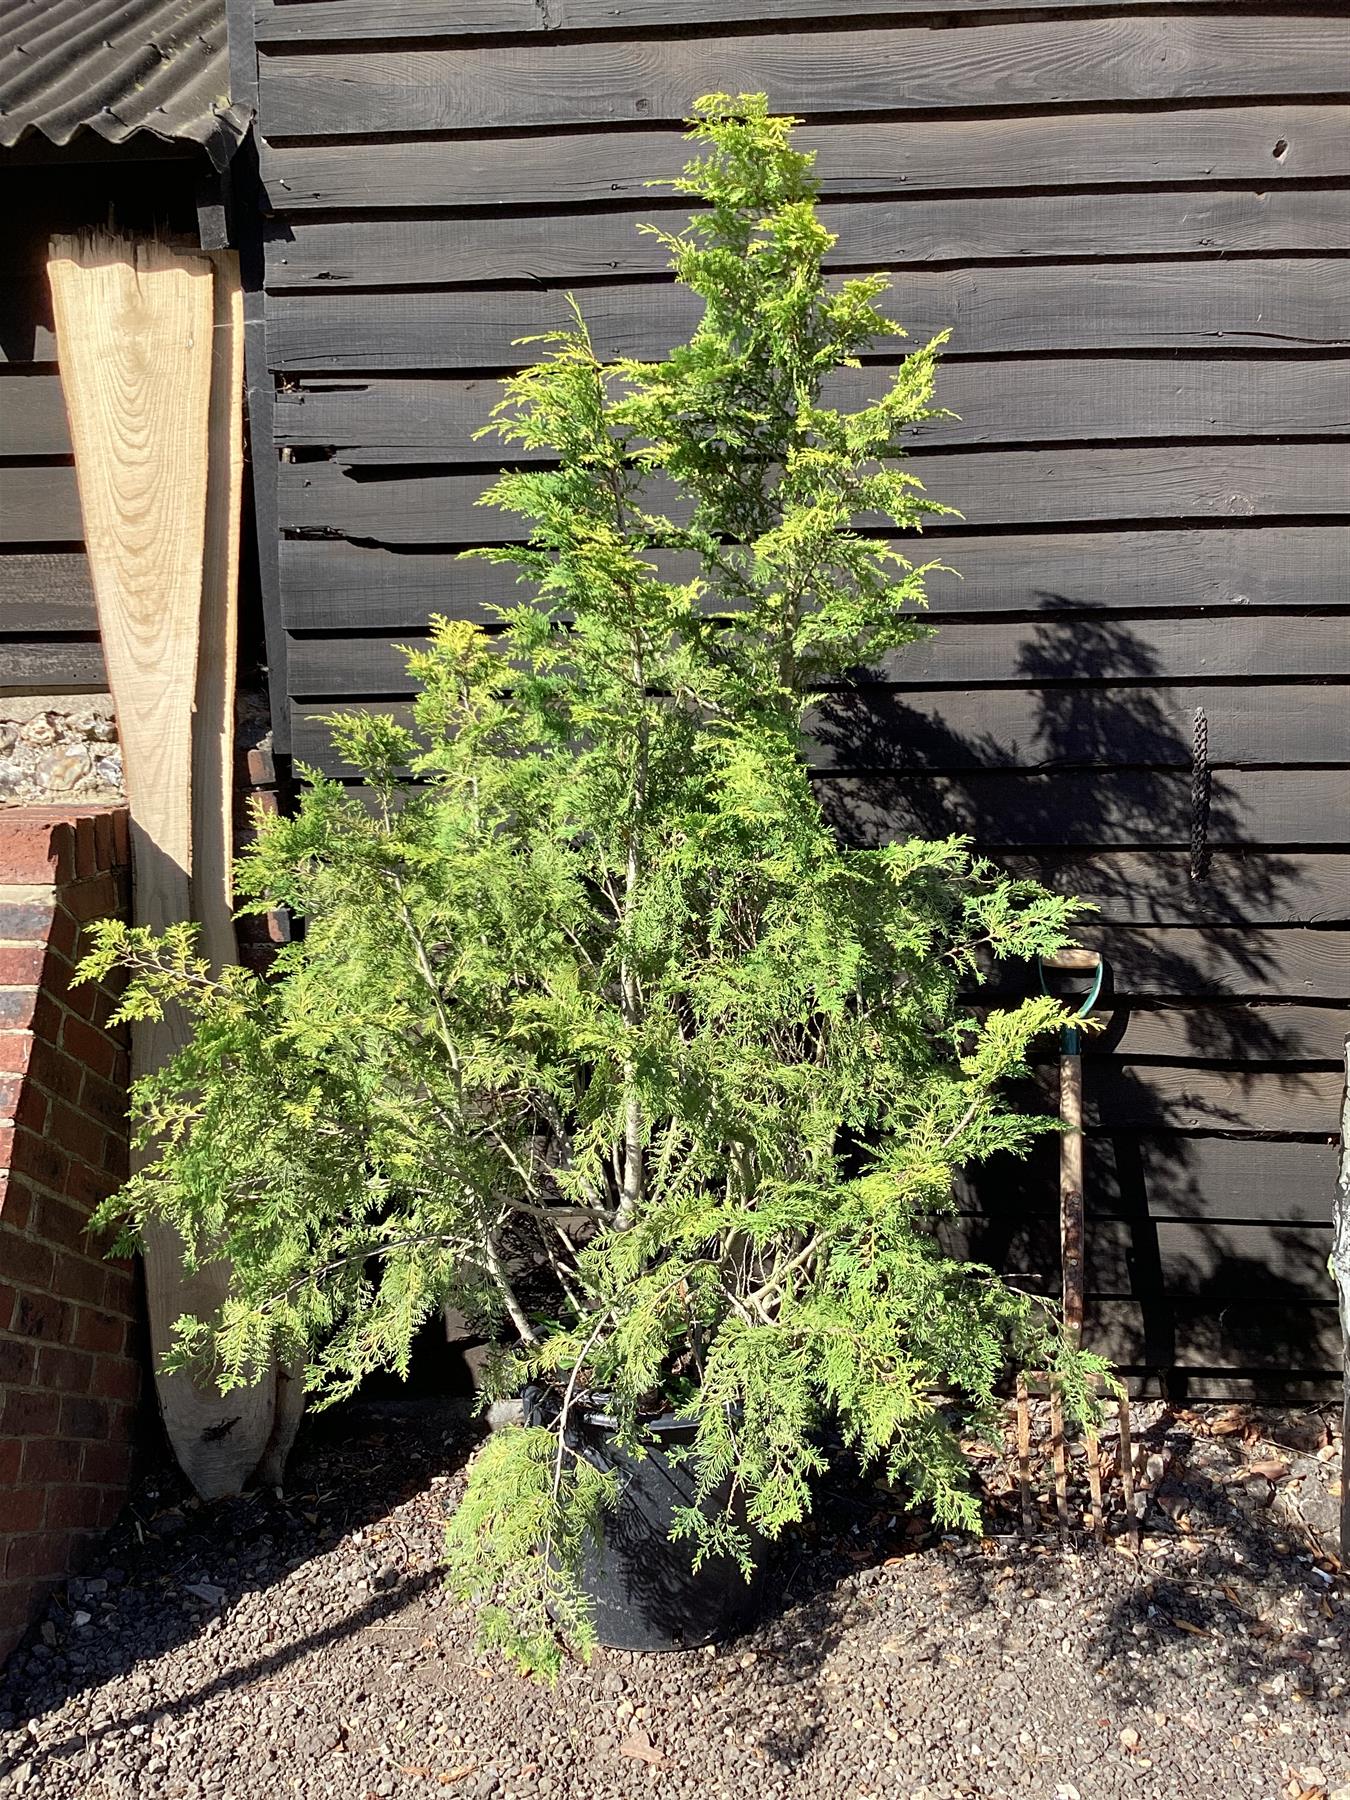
145, 348
212, 882
1340, 1267
1071, 1225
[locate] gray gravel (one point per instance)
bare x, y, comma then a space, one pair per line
267, 1648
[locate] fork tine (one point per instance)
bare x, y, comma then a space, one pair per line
1059, 1455
1094, 1463
1126, 1461
1024, 1456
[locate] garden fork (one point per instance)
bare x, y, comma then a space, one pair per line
1071, 1246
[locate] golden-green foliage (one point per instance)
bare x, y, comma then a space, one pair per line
601, 993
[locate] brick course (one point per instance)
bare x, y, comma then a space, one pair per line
70, 1373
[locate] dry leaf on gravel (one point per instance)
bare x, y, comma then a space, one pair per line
640, 1747
1228, 1424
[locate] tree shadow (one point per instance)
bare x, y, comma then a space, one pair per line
1208, 1116
136, 1603
1221, 1571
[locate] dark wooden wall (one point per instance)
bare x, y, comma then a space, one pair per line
1136, 219
48, 631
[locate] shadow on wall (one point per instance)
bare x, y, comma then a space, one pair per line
1207, 1243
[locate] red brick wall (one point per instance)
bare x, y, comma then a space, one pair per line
69, 1328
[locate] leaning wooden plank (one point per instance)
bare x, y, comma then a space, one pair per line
390, 419
993, 487
333, 585
352, 253
1188, 305
39, 504
135, 325
962, 653
512, 86
212, 886
347, 21
277, 1398
1261, 146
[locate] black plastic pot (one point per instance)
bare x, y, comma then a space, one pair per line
643, 1590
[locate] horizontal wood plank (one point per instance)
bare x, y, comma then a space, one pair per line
39, 504
46, 590
1095, 722
1120, 1096
1088, 399
1175, 1259
1176, 962
345, 21
993, 487
1162, 1176
1279, 1332
33, 416
330, 584
398, 252
1236, 1386
51, 665
1099, 726
962, 653
1125, 808
1237, 1034
26, 333
1261, 145
1180, 56
1155, 887
320, 21
1184, 305
1110, 809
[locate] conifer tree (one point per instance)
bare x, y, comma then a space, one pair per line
596, 1028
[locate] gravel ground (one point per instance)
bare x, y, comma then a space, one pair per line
306, 1647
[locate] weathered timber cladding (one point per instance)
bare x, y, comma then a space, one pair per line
1259, 147
1179, 55
1000, 310
1135, 222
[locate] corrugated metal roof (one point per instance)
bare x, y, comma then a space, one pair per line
118, 67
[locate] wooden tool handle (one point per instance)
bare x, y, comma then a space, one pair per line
1073, 959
